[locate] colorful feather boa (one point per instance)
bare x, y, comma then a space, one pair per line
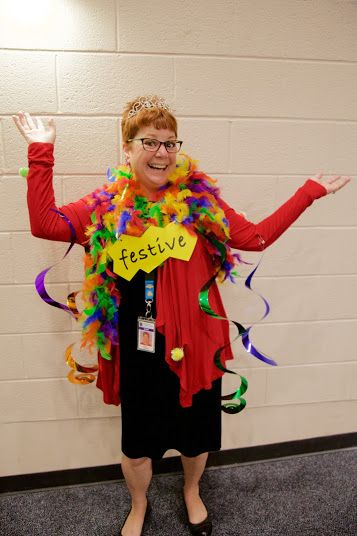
190, 198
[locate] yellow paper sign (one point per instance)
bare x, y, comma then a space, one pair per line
148, 251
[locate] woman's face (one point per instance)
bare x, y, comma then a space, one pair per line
152, 169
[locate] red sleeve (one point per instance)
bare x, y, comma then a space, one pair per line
249, 236
40, 200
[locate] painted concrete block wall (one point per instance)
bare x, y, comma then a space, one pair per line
265, 93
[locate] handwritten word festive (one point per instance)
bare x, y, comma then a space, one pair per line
132, 253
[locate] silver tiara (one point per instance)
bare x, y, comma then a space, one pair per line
147, 103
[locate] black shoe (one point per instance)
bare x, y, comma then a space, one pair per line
204, 528
201, 529
147, 513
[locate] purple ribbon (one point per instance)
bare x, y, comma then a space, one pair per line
40, 279
250, 348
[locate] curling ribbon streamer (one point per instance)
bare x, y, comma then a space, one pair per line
245, 336
232, 407
85, 375
40, 279
71, 304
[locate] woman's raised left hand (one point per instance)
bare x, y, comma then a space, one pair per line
336, 182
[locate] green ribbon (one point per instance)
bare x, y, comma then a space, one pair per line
230, 407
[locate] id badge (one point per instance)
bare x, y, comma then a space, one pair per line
146, 334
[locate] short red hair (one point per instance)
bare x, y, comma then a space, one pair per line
157, 117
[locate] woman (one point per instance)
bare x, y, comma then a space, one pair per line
178, 379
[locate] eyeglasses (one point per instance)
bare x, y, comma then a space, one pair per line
150, 144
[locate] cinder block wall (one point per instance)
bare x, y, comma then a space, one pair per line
265, 93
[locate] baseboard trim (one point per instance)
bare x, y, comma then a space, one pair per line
87, 475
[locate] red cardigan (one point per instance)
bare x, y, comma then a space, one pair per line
179, 316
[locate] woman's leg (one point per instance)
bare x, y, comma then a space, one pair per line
137, 473
193, 469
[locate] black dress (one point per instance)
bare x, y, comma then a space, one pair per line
153, 420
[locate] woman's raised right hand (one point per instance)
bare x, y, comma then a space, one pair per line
33, 130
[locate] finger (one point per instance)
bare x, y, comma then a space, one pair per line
18, 124
29, 120
340, 184
40, 123
16, 120
334, 179
51, 124
345, 180
22, 118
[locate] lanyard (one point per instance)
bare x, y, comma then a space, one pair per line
146, 324
149, 292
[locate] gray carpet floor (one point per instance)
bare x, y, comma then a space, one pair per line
301, 496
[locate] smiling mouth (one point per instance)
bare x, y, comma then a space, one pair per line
158, 167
